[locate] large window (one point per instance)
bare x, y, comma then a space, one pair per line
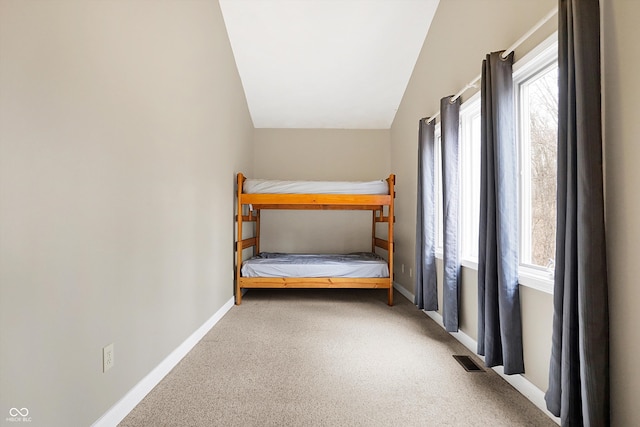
536, 96
438, 184
536, 86
470, 127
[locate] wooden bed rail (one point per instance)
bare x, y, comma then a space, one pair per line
316, 201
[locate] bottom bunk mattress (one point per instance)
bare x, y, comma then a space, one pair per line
359, 264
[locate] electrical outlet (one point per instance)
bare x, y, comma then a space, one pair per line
410, 272
107, 358
402, 268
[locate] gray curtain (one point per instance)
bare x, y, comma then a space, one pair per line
579, 370
449, 126
499, 320
426, 296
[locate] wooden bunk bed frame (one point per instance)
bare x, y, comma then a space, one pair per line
256, 202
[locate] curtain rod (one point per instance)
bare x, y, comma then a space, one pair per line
529, 33
514, 46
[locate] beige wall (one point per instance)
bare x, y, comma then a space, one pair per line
461, 34
621, 54
122, 124
319, 154
537, 318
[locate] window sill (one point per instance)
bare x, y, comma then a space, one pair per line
470, 263
536, 279
529, 277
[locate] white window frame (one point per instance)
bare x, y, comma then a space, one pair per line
437, 158
469, 184
535, 62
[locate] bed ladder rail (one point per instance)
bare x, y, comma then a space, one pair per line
381, 243
245, 243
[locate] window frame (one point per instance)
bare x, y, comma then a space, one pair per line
437, 158
536, 62
469, 184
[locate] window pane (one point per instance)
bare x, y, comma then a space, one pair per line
539, 107
470, 179
438, 178
475, 184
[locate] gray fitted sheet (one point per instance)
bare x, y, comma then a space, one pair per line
315, 187
272, 264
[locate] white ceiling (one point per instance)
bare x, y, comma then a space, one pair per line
339, 64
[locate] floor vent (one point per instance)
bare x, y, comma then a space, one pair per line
467, 363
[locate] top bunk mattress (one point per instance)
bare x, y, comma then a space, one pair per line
273, 264
265, 186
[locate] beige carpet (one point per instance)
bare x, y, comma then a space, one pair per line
330, 358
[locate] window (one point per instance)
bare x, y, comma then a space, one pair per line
438, 187
536, 87
539, 132
470, 128
536, 96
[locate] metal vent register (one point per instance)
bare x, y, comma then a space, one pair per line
467, 363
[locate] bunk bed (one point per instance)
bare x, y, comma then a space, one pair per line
272, 270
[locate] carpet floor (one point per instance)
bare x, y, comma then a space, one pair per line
330, 358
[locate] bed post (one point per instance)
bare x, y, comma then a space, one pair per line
256, 249
373, 231
238, 291
392, 193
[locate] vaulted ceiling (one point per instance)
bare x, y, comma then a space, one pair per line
339, 64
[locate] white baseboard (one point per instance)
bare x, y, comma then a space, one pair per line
408, 295
519, 382
134, 396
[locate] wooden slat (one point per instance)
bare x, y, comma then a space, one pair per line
247, 218
315, 282
381, 243
246, 243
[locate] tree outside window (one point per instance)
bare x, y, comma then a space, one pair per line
539, 107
